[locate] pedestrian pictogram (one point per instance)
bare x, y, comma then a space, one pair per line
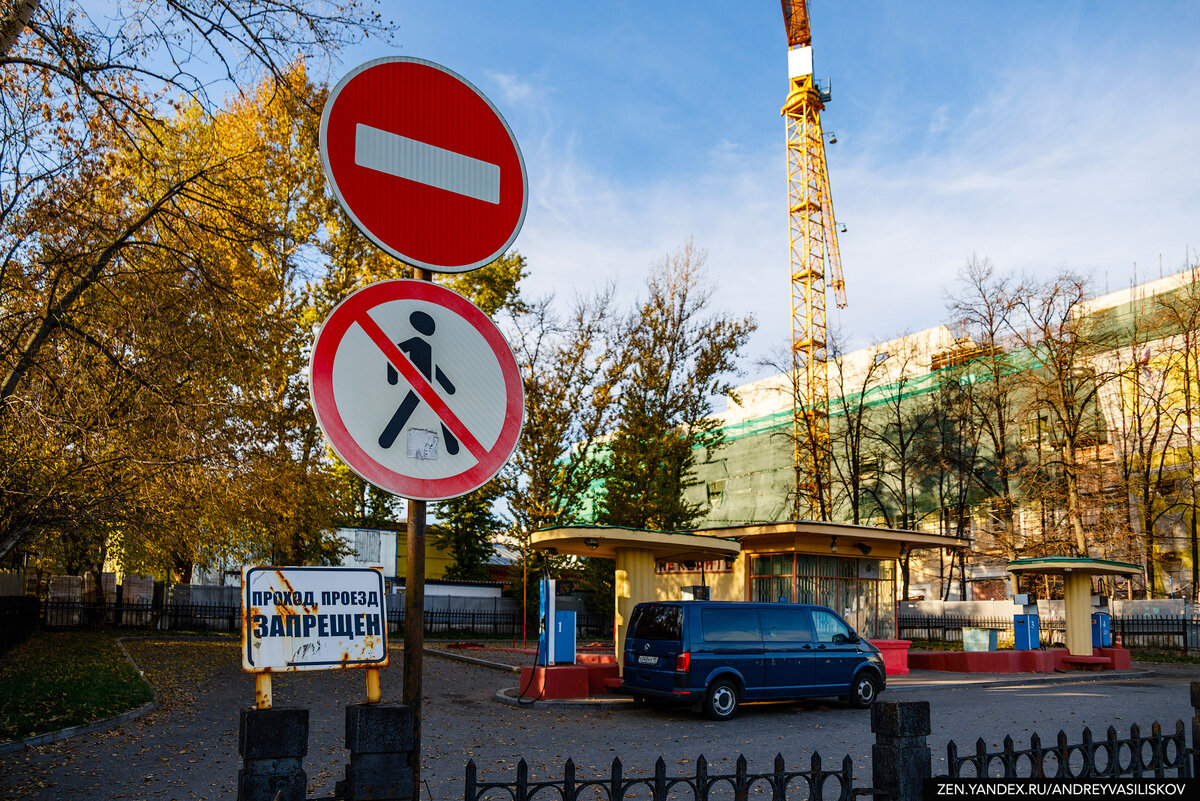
420, 354
416, 389
424, 164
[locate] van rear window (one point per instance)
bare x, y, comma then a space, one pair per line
658, 623
730, 625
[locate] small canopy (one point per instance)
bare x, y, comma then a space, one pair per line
1082, 565
605, 540
890, 542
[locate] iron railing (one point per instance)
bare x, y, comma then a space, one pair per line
1171, 632
57, 613
815, 784
504, 623
1159, 755
900, 755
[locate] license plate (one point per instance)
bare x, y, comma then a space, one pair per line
647, 660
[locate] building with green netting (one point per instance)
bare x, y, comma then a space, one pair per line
1099, 418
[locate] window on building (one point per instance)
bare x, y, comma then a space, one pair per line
366, 547
863, 591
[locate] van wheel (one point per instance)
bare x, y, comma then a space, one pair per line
721, 703
863, 691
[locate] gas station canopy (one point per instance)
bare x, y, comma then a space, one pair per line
605, 541
1058, 565
1077, 572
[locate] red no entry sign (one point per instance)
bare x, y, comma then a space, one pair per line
424, 164
416, 389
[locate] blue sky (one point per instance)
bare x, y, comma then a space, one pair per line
1039, 134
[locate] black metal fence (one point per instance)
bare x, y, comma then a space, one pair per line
1169, 632
228, 618
56, 613
1159, 755
901, 761
817, 783
502, 623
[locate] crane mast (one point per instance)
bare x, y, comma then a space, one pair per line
813, 253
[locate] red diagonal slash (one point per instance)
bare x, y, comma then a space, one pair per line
423, 388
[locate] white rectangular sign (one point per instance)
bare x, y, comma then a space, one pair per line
402, 157
312, 618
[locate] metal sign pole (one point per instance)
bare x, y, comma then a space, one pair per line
414, 629
414, 615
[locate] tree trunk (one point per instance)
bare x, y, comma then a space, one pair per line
1074, 505
12, 24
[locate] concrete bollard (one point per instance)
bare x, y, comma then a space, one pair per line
380, 740
900, 759
272, 743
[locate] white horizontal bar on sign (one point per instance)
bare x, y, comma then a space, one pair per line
427, 164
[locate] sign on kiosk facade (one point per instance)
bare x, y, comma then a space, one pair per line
313, 618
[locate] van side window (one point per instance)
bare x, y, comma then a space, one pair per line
829, 628
729, 625
658, 623
783, 624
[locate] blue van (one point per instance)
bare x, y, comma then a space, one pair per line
720, 654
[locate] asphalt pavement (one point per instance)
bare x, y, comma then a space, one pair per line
187, 748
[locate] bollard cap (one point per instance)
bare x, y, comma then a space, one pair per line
900, 718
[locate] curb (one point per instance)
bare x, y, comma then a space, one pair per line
471, 660
1026, 680
96, 725
508, 695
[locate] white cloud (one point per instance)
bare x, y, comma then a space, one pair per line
513, 90
1083, 165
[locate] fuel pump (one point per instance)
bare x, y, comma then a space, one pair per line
1026, 634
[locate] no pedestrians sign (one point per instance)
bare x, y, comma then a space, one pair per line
424, 164
416, 389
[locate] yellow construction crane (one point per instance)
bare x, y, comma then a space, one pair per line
813, 253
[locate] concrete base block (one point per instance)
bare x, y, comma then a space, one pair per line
380, 740
557, 681
272, 743
895, 655
255, 787
378, 776
379, 728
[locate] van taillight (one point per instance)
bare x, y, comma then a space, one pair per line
683, 662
